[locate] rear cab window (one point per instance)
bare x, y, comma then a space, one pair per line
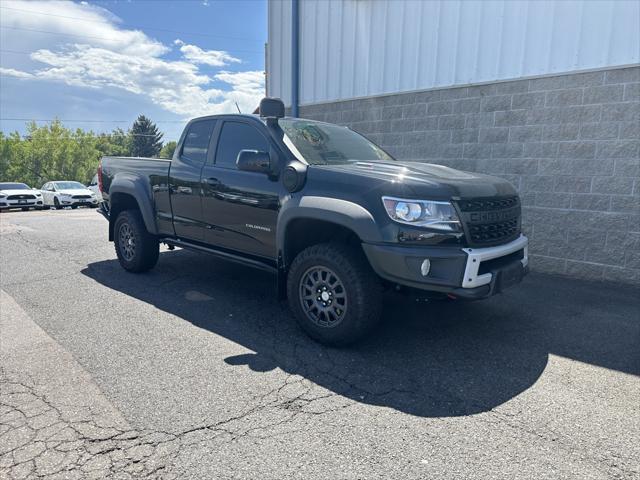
196, 142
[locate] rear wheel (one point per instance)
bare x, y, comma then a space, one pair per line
74, 207
334, 294
137, 249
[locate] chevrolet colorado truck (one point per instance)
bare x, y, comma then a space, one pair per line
334, 217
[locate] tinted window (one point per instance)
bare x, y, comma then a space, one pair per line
196, 143
235, 137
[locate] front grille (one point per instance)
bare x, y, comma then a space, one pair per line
490, 221
21, 197
80, 197
483, 204
493, 232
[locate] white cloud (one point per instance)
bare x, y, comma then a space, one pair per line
243, 81
247, 91
12, 72
104, 55
214, 58
70, 21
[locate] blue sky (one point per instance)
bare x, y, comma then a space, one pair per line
97, 62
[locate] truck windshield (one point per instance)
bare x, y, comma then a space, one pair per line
326, 144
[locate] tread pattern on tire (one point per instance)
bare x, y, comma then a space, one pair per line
147, 247
363, 287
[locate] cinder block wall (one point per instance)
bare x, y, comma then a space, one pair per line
569, 143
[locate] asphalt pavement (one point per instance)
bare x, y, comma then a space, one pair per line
196, 370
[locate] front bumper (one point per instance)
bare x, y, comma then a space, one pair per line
7, 204
88, 202
462, 272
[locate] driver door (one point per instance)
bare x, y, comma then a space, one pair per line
240, 208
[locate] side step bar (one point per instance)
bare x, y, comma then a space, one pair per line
220, 254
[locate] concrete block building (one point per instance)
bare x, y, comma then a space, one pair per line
543, 93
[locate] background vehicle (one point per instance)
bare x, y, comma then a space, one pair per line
19, 195
93, 186
61, 194
330, 213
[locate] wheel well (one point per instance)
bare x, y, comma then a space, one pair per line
304, 232
120, 202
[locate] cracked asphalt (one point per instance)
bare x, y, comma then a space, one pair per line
195, 370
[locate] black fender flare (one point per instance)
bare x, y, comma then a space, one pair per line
138, 188
341, 212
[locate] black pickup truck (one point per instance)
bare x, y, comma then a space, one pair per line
332, 215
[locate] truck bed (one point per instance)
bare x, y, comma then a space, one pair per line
134, 164
155, 170
144, 177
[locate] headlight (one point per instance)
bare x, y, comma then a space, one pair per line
423, 213
38, 194
2, 195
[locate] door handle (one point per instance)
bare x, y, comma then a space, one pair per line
213, 181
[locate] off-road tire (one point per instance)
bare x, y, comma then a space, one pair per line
361, 285
144, 255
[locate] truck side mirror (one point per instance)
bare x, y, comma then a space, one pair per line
254, 161
271, 108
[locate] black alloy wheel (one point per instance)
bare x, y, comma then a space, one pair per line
323, 296
334, 294
136, 248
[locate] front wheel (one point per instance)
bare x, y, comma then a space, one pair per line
137, 249
334, 294
56, 203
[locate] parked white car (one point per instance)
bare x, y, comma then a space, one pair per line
68, 194
19, 195
93, 186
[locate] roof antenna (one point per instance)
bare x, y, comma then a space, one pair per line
238, 107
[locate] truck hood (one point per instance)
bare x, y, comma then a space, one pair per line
424, 180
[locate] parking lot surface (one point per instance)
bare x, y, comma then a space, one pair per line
195, 370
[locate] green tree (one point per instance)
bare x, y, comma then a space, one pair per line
54, 152
114, 144
168, 149
146, 139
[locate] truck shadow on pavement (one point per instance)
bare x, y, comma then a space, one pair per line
433, 359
